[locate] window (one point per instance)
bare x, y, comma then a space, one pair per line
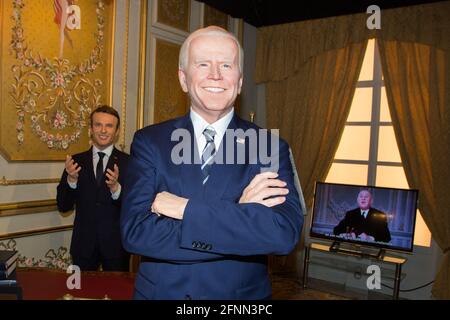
368, 151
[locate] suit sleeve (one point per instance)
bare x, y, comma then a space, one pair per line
65, 195
342, 226
144, 232
230, 228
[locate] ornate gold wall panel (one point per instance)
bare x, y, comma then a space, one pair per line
170, 100
15, 182
27, 207
52, 75
35, 232
174, 13
212, 16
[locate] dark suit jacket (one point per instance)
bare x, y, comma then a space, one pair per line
97, 214
218, 250
375, 224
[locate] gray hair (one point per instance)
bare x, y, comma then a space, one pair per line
208, 31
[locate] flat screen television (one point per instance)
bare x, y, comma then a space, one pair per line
370, 216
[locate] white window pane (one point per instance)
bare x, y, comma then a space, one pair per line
361, 108
354, 144
422, 235
387, 145
347, 173
367, 67
385, 115
391, 177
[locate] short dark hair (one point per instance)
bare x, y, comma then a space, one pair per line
106, 109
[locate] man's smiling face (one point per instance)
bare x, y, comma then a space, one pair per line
212, 76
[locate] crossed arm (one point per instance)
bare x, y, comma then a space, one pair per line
267, 218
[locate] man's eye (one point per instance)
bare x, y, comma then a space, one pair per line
227, 66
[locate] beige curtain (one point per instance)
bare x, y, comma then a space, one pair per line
415, 55
311, 107
310, 69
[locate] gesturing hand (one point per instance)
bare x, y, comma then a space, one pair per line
262, 188
169, 205
112, 178
72, 169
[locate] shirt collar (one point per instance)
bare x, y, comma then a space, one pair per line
107, 151
220, 126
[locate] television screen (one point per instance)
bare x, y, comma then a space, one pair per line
367, 215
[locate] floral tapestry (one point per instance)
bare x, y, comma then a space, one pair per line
55, 69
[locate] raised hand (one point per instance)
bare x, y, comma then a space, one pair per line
112, 179
72, 169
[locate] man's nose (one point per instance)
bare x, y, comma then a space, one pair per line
214, 72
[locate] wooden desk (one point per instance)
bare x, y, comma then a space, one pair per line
50, 284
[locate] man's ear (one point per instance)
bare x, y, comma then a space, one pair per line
182, 78
241, 79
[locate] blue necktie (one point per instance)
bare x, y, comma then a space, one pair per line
208, 152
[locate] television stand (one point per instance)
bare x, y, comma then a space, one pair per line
336, 249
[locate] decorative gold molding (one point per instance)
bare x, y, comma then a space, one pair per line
111, 54
27, 233
27, 207
142, 64
6, 182
124, 78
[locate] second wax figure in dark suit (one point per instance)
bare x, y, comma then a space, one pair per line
211, 240
96, 233
364, 223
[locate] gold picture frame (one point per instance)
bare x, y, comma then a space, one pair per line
173, 15
56, 68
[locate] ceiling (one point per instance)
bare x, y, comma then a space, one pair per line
269, 12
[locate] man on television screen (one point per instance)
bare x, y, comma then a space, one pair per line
364, 223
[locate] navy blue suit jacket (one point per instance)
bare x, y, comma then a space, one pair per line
97, 218
219, 249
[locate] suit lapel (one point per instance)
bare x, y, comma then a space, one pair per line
221, 173
190, 173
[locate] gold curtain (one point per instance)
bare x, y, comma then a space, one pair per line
310, 69
311, 108
294, 61
415, 56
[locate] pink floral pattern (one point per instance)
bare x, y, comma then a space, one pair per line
62, 96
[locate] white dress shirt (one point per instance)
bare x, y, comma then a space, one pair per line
364, 213
200, 124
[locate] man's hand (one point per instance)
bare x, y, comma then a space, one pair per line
72, 169
112, 178
169, 205
366, 237
263, 186
349, 235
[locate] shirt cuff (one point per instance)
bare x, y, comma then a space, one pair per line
72, 185
116, 194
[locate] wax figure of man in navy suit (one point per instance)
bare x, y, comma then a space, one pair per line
364, 223
91, 182
205, 228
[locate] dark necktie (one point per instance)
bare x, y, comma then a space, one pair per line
208, 153
99, 169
